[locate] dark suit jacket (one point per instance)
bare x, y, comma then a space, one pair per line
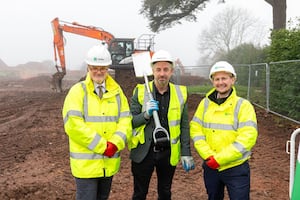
139, 153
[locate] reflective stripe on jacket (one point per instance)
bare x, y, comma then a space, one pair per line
227, 131
178, 97
90, 121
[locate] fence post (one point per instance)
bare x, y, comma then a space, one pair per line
249, 82
292, 158
267, 87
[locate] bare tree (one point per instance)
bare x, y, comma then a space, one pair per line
227, 30
163, 14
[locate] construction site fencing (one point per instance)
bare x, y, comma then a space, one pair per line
255, 82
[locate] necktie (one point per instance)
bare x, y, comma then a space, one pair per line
100, 91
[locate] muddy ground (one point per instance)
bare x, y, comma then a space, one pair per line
34, 161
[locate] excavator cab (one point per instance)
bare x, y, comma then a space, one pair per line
120, 49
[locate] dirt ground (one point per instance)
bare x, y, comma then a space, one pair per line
34, 159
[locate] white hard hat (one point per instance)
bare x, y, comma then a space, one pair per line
221, 66
162, 55
98, 56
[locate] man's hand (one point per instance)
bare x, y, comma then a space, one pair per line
187, 163
212, 163
150, 107
110, 150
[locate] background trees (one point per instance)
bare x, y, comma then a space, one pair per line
227, 30
164, 14
285, 43
226, 39
246, 53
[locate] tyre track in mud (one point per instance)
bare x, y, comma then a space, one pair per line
20, 111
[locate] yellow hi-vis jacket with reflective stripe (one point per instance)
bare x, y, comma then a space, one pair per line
227, 131
90, 122
178, 97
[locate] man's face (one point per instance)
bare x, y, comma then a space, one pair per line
98, 73
162, 72
223, 82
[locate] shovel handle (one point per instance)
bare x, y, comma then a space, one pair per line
158, 127
155, 114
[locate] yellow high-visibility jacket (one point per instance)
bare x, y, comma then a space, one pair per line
90, 122
227, 131
178, 98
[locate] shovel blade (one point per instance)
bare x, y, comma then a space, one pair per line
142, 64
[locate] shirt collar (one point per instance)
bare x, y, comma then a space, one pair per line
96, 85
156, 90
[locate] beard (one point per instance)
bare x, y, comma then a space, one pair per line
162, 82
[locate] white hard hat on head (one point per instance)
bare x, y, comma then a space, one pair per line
162, 55
221, 66
98, 55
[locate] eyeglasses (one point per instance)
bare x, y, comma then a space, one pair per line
96, 69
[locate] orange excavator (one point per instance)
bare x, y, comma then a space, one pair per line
121, 49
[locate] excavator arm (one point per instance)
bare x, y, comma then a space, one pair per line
59, 27
58, 44
121, 49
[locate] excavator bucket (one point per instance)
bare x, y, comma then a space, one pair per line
57, 81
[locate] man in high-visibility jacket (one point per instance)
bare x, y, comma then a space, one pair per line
160, 150
98, 122
224, 130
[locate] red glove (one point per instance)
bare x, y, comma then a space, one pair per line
212, 163
110, 150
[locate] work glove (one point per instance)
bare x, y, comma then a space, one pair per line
150, 107
110, 150
212, 163
187, 163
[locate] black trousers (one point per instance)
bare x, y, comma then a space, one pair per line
142, 173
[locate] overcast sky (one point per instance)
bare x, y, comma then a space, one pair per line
26, 33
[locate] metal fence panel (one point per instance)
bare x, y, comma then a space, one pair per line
254, 82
